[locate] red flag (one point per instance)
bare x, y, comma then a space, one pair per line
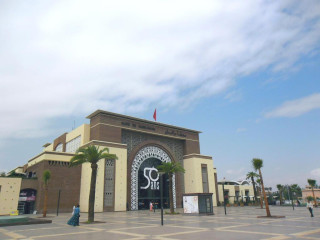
155, 115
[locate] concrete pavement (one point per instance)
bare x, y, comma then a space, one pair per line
239, 223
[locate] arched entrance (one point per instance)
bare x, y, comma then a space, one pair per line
27, 199
145, 177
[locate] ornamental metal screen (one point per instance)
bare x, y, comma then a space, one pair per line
109, 183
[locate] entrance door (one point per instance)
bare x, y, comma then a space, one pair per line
27, 200
149, 185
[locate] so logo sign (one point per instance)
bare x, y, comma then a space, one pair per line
153, 183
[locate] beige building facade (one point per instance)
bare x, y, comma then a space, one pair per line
236, 192
9, 194
132, 181
308, 192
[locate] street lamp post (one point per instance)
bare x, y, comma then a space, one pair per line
59, 192
161, 196
292, 198
224, 197
288, 187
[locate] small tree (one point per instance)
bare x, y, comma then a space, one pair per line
170, 168
257, 165
46, 176
251, 176
310, 198
92, 155
312, 184
280, 188
295, 188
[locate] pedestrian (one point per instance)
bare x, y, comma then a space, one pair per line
74, 220
151, 206
73, 209
310, 207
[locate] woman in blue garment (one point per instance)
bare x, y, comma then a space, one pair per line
74, 220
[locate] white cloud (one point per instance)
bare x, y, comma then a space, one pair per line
234, 96
235, 171
296, 107
65, 58
235, 174
315, 173
239, 130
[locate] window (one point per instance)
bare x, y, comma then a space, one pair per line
204, 172
59, 147
73, 145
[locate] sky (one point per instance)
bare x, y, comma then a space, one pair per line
245, 73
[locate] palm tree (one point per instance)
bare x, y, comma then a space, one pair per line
295, 188
45, 176
257, 165
252, 175
280, 189
312, 184
170, 168
92, 155
260, 194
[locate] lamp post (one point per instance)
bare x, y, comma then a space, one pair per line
59, 192
224, 197
288, 187
292, 198
161, 196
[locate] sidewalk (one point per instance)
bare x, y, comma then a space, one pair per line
239, 223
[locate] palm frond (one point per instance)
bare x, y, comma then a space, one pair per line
46, 176
257, 163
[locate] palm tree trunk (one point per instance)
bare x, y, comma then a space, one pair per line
280, 193
260, 193
254, 189
314, 198
265, 196
92, 195
171, 194
45, 201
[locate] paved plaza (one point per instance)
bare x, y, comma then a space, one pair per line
239, 223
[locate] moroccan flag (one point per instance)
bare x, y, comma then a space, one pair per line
155, 115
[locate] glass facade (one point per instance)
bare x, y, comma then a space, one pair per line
73, 145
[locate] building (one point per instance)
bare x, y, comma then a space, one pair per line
131, 181
9, 194
235, 191
308, 192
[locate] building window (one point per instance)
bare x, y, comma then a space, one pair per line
59, 147
73, 145
237, 195
204, 172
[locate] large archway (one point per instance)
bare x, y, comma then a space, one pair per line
153, 156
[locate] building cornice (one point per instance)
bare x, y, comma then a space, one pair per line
52, 153
106, 144
194, 155
138, 119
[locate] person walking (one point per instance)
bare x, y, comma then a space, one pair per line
73, 210
74, 220
310, 207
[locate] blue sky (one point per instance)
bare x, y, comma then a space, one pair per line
245, 73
